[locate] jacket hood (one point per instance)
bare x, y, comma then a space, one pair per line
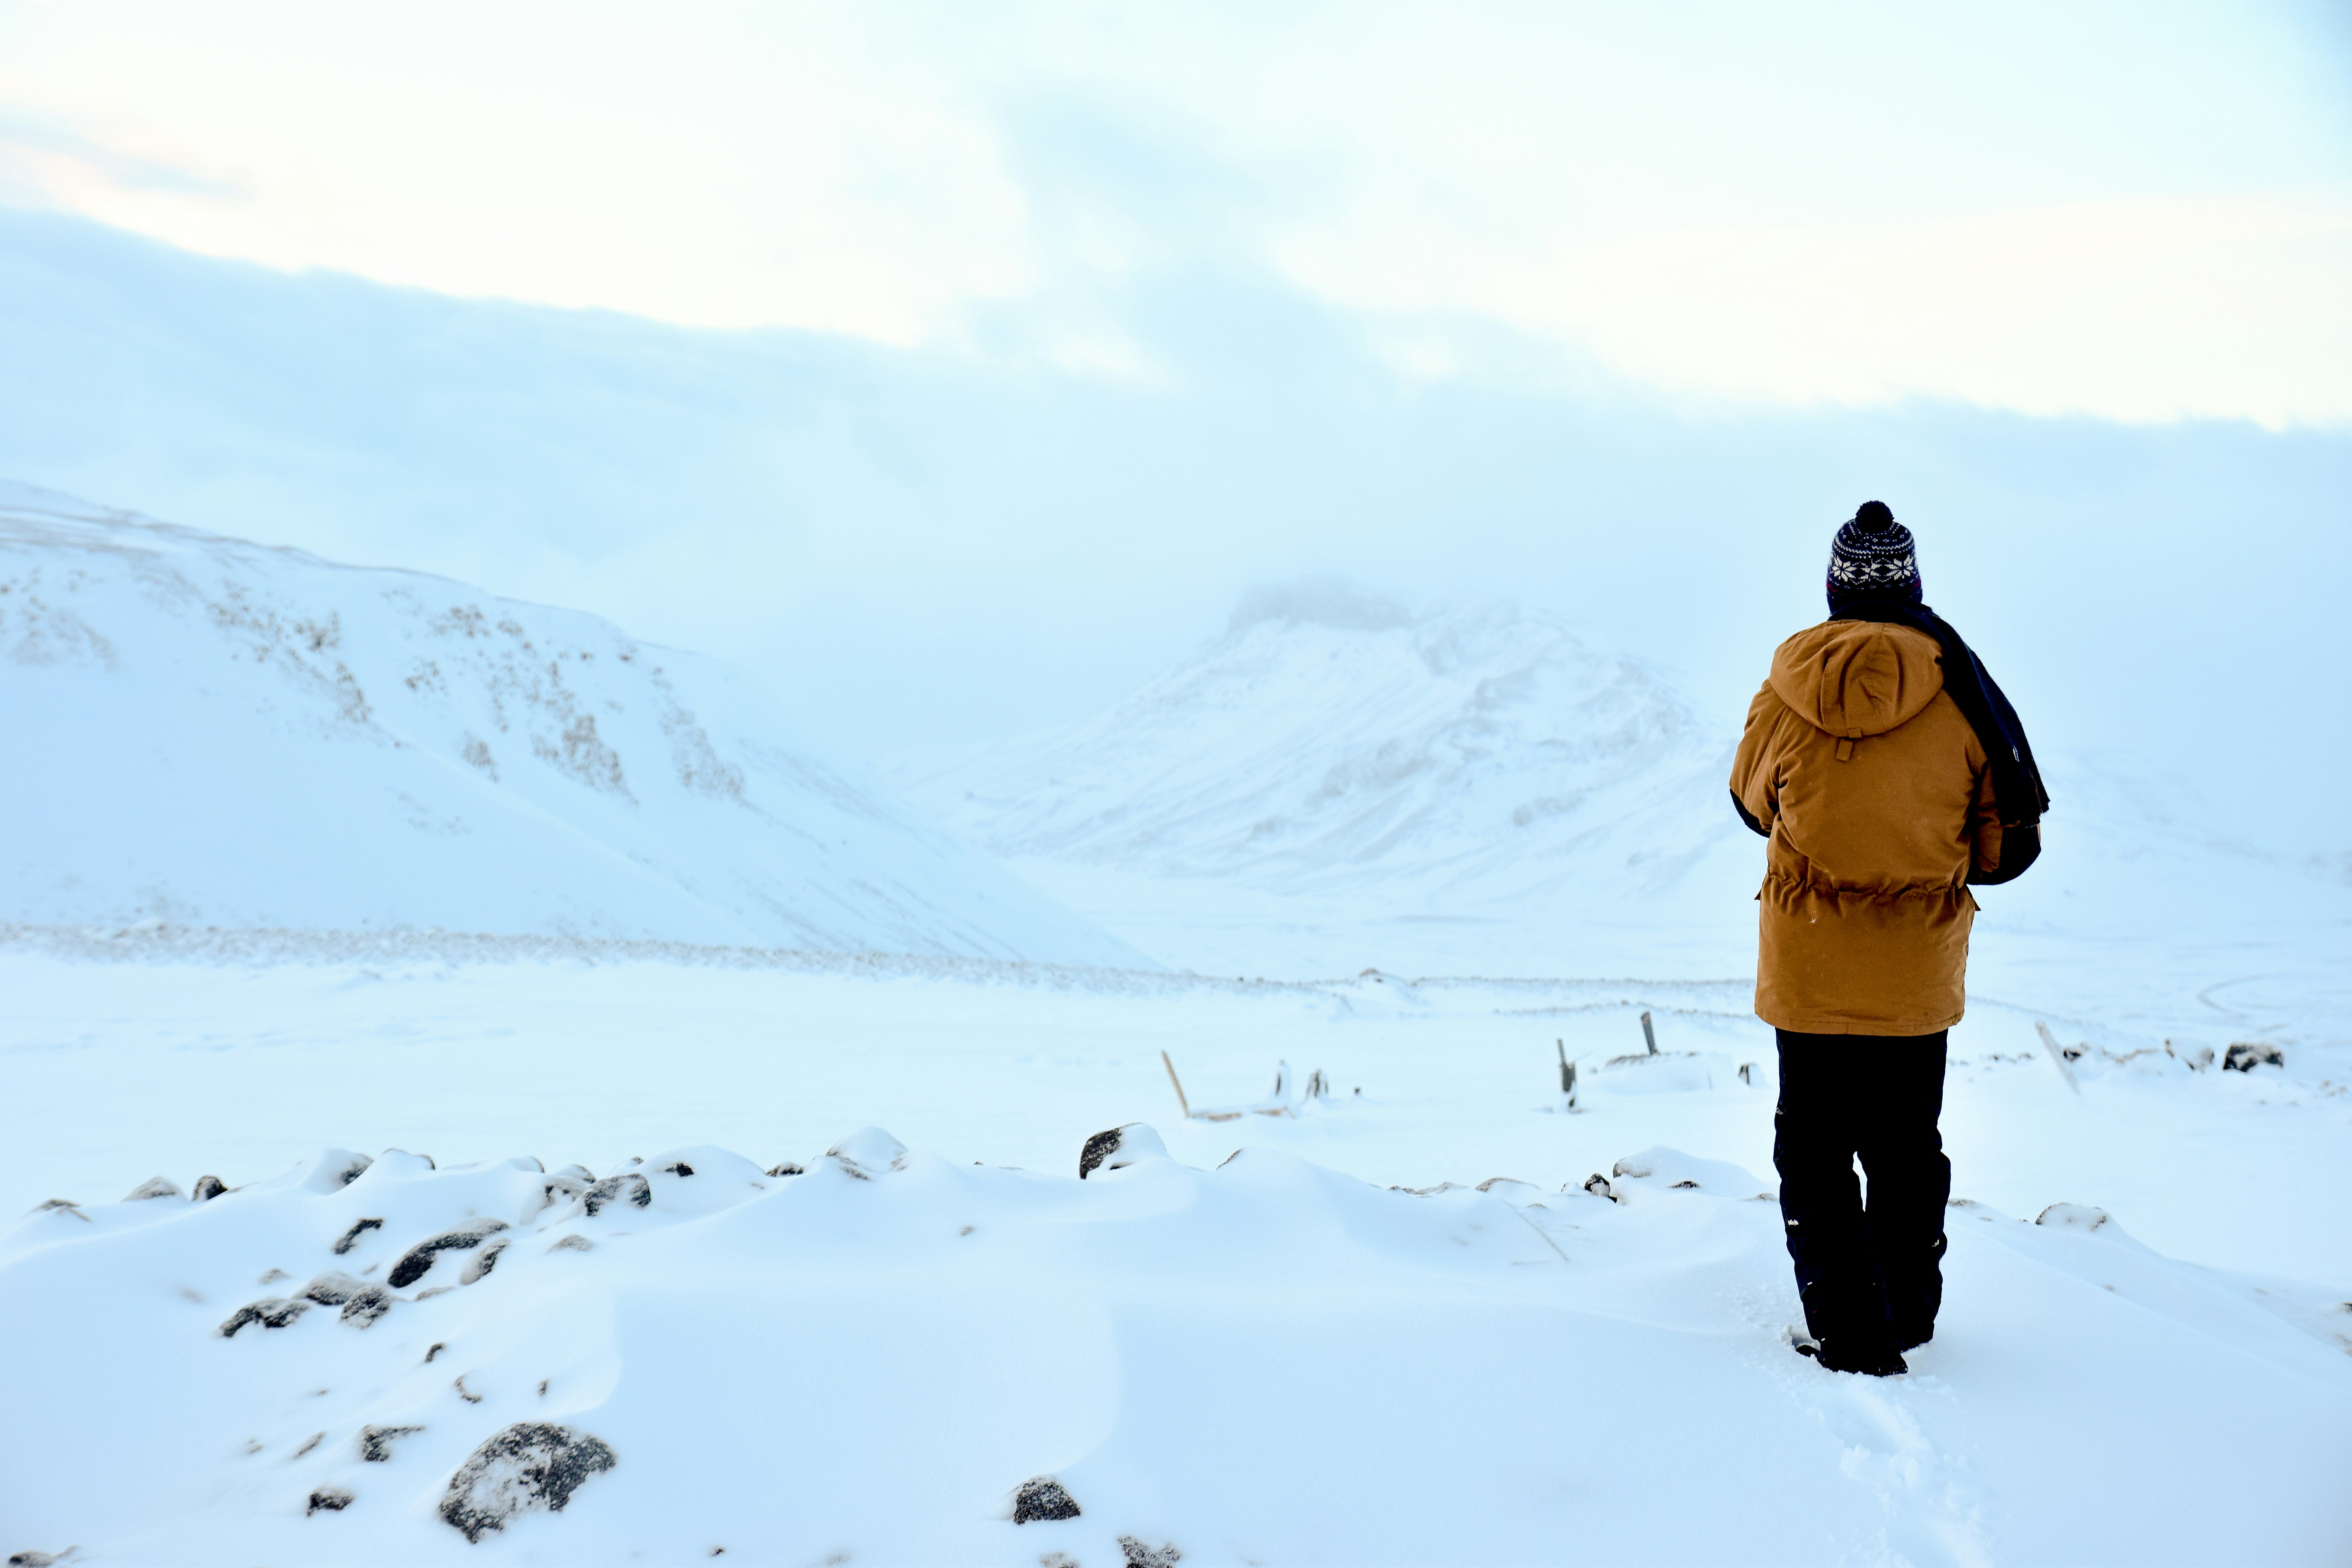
1857, 677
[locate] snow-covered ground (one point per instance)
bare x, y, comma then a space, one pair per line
353, 860
1276, 1359
209, 732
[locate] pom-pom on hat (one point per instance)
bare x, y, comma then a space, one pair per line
1873, 555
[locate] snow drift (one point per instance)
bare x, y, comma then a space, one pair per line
890, 1358
204, 732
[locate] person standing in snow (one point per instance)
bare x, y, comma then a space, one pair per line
1889, 775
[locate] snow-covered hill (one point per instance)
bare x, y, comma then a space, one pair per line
204, 732
1328, 744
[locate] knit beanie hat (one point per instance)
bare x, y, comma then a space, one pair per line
1873, 555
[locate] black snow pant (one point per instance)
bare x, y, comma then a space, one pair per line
1868, 1274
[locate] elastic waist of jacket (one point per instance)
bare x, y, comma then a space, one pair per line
1831, 890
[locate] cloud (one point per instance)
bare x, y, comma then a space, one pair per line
2126, 210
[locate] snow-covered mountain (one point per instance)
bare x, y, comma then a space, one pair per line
206, 731
1334, 781
1329, 742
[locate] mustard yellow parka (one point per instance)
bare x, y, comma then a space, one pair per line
1872, 788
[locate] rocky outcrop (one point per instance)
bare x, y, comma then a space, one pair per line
329, 1499
626, 1187
418, 1258
2246, 1055
531, 1465
209, 1188
272, 1312
367, 1304
482, 1262
153, 1187
376, 1442
1119, 1147
332, 1290
1042, 1497
351, 1238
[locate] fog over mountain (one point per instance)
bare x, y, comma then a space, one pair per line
1332, 742
999, 534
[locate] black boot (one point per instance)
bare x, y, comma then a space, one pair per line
1875, 1359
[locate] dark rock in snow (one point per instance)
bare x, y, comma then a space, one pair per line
1119, 1147
350, 1171
1042, 1497
679, 1168
2073, 1217
1139, 1555
626, 1187
37, 1559
63, 1205
573, 1244
332, 1289
209, 1188
532, 1465
787, 1169
313, 1441
376, 1442
351, 1238
2245, 1057
153, 1187
273, 1277
560, 1188
368, 1303
419, 1257
1598, 1185
329, 1499
274, 1313
482, 1262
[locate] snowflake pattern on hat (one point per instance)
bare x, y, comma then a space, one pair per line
1874, 561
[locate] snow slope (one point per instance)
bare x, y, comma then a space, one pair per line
211, 732
1266, 1362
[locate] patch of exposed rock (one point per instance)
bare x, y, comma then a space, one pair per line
482, 1262
1119, 1147
351, 1238
271, 1312
624, 1187
1042, 1497
419, 1257
531, 1465
376, 1442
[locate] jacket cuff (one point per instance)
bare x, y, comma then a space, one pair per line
1753, 826
2021, 846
